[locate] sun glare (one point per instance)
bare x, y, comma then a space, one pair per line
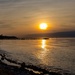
43, 26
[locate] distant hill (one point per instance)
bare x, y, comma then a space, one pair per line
52, 35
45, 35
8, 37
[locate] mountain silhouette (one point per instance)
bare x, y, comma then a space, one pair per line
52, 35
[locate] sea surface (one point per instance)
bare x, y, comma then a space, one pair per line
55, 53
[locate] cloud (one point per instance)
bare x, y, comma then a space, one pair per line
29, 12
4, 25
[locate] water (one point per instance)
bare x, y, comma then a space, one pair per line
53, 53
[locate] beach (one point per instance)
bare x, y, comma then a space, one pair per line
6, 69
53, 56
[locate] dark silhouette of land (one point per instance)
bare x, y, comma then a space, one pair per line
7, 37
67, 34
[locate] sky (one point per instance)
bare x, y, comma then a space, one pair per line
21, 17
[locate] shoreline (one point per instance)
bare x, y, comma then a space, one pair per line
11, 70
23, 69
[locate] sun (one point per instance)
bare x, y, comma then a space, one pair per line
43, 26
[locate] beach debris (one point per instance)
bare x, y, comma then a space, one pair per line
22, 66
2, 56
33, 70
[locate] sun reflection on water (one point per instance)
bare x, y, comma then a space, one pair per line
42, 53
43, 44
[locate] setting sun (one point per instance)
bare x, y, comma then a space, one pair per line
43, 26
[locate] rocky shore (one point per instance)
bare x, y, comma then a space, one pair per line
23, 69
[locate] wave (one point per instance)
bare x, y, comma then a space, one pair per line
50, 70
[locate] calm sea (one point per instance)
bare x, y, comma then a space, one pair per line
58, 53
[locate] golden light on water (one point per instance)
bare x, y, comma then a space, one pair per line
42, 52
43, 26
43, 44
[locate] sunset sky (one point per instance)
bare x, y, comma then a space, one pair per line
20, 17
